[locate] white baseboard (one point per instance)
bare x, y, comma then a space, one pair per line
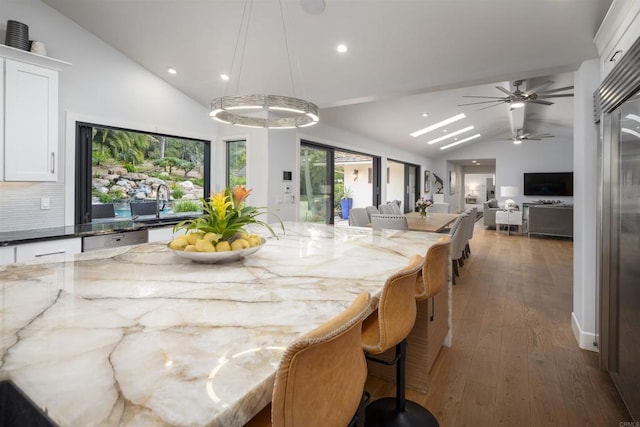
585, 339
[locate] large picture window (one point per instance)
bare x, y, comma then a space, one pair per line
123, 171
236, 163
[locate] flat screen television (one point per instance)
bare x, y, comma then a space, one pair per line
548, 184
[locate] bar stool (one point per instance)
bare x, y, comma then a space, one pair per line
321, 376
435, 270
385, 328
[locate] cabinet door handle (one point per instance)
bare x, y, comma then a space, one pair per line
53, 162
50, 253
615, 55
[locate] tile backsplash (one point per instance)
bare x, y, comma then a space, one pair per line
20, 205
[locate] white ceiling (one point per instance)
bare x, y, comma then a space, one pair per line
405, 58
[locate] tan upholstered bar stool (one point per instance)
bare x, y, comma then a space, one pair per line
321, 376
389, 327
435, 270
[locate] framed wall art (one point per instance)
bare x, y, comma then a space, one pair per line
427, 181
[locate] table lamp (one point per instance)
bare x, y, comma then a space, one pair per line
509, 192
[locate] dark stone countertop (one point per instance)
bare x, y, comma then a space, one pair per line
96, 228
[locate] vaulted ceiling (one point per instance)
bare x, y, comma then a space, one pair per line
405, 57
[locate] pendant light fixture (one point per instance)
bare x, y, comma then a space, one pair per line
275, 111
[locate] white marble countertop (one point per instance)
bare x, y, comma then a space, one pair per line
139, 336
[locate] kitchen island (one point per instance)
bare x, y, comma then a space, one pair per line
138, 336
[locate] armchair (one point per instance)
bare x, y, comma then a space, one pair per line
490, 207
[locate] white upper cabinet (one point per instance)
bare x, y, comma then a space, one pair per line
618, 31
29, 116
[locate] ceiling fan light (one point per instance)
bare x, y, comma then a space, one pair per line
517, 104
517, 141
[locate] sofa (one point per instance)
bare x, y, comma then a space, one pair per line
551, 220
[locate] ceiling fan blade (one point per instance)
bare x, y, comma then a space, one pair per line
492, 97
482, 102
560, 89
524, 136
535, 89
539, 101
556, 96
541, 135
500, 88
488, 107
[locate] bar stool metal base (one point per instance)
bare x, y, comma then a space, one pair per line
383, 413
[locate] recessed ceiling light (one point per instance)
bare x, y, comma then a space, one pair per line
473, 161
342, 48
172, 70
477, 164
444, 130
477, 135
450, 135
224, 77
438, 125
425, 114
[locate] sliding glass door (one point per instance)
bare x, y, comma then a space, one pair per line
332, 182
403, 184
316, 184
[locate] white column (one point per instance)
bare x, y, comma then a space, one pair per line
585, 184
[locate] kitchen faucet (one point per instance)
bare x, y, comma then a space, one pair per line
166, 187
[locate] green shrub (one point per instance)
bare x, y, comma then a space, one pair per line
129, 167
177, 192
105, 198
186, 206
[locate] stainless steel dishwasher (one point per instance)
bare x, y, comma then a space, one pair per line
113, 240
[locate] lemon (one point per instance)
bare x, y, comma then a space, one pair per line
192, 237
190, 248
243, 235
223, 246
203, 245
211, 237
179, 243
254, 241
239, 244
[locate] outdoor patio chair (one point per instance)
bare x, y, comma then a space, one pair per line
358, 217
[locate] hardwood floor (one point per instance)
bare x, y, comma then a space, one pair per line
514, 360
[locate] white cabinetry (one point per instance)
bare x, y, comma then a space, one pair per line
619, 30
163, 234
7, 255
29, 123
50, 250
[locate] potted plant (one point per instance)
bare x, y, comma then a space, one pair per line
346, 202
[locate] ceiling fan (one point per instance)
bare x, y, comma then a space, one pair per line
518, 98
519, 136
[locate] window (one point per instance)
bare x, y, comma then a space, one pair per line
236, 163
118, 167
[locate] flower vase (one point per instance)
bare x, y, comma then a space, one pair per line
423, 213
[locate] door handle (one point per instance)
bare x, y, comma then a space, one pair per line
53, 162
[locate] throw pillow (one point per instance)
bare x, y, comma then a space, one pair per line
493, 203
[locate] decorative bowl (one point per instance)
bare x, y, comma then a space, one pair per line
218, 257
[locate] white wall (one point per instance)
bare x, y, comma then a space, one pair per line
549, 155
101, 85
585, 184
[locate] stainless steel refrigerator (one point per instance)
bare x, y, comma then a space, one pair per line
619, 231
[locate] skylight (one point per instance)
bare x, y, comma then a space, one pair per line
438, 125
451, 135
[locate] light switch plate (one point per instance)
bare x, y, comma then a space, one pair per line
45, 203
